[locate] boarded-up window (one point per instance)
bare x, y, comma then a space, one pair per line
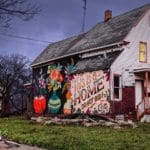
143, 52
117, 87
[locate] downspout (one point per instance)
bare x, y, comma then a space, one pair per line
111, 93
146, 89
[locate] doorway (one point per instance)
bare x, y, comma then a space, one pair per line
139, 88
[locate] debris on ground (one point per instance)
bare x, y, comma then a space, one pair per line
11, 145
8, 142
85, 120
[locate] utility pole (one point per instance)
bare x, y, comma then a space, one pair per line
84, 15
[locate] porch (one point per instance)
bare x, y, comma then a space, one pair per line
142, 92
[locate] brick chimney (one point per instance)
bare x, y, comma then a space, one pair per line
107, 15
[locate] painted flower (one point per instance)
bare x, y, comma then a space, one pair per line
54, 75
61, 78
42, 83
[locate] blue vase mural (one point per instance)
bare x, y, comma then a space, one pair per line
54, 103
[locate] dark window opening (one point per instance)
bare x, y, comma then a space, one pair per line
117, 87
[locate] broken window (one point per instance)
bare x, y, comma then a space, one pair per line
143, 52
117, 87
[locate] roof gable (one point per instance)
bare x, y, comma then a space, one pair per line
104, 33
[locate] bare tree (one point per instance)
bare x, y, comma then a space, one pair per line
23, 9
14, 72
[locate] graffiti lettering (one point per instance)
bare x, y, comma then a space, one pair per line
103, 107
89, 102
90, 91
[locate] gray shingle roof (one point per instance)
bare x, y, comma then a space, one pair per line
95, 63
104, 33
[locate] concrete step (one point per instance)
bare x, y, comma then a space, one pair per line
146, 118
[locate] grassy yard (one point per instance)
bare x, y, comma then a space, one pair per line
75, 137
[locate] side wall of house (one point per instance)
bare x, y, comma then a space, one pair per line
51, 87
128, 60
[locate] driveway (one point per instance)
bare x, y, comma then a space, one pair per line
4, 146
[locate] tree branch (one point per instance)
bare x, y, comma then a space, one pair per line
18, 12
22, 9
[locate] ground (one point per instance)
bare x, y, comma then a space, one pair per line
75, 137
4, 146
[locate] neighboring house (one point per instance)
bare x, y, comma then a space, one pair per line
103, 71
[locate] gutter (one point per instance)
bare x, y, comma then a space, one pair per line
141, 70
72, 54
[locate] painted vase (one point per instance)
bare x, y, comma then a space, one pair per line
67, 107
39, 104
54, 103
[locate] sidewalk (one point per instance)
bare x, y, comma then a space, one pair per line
4, 146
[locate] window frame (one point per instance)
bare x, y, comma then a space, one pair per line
144, 43
149, 20
120, 87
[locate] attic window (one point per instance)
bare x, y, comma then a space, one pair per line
143, 52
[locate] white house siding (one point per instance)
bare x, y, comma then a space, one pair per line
129, 58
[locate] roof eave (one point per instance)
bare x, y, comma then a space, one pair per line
36, 65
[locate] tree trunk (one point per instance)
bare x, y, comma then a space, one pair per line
5, 111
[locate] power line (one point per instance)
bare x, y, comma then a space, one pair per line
24, 41
25, 38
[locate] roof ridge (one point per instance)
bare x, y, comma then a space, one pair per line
134, 9
127, 12
103, 33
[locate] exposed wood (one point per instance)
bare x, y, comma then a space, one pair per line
85, 120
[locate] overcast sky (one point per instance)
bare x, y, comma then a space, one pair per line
58, 19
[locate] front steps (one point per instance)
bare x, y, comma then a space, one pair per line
146, 118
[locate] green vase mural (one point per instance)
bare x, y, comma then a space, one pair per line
54, 103
58, 81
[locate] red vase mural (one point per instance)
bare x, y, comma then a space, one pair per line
39, 104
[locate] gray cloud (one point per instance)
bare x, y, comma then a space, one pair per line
59, 19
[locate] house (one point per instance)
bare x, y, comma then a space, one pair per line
105, 70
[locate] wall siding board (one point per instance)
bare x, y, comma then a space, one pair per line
128, 98
125, 107
128, 60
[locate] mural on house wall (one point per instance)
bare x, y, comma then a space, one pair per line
90, 93
53, 83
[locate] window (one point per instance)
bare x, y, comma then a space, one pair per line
117, 87
143, 52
